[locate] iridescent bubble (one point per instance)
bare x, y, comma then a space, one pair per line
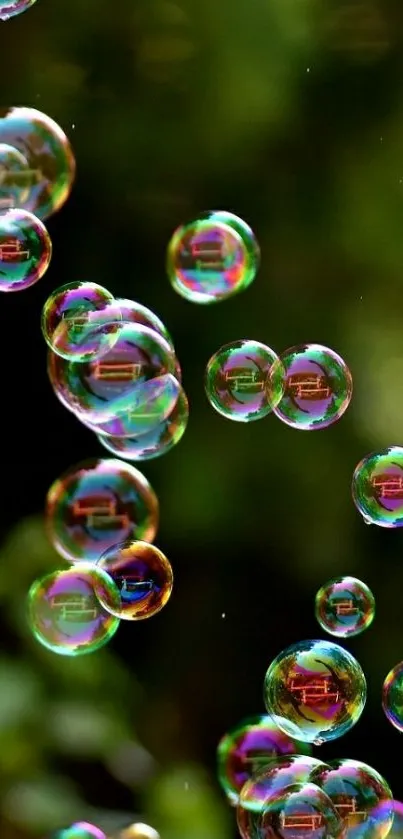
245, 750
65, 610
155, 443
25, 250
392, 696
143, 576
247, 235
300, 811
11, 8
244, 380
318, 688
377, 487
133, 312
81, 321
383, 809
344, 607
119, 384
50, 159
208, 261
79, 830
318, 387
357, 791
139, 831
13, 178
96, 504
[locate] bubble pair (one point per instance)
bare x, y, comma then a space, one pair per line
307, 387
112, 362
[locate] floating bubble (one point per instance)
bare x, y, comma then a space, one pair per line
133, 312
383, 809
96, 504
50, 159
120, 383
139, 831
344, 607
357, 791
25, 250
65, 609
300, 811
79, 830
244, 380
155, 443
143, 576
392, 696
318, 387
318, 688
377, 487
208, 261
13, 178
11, 8
246, 233
81, 321
245, 750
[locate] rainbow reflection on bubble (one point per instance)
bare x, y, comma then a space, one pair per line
392, 696
377, 487
11, 8
81, 321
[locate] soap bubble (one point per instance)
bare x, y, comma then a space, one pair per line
246, 233
392, 696
383, 809
208, 261
300, 811
79, 830
344, 606
377, 487
155, 443
318, 687
143, 576
96, 504
139, 831
357, 791
245, 750
133, 312
120, 383
318, 387
25, 250
50, 158
244, 380
65, 609
14, 186
11, 8
81, 321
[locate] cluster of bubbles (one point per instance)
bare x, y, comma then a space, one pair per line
37, 169
101, 516
12, 8
85, 830
307, 387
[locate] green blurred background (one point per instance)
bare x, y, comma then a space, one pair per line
290, 114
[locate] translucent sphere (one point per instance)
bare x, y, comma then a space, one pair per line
357, 791
95, 505
81, 321
79, 830
318, 387
317, 688
133, 312
392, 696
244, 380
377, 487
25, 250
155, 443
139, 831
50, 159
245, 750
344, 606
65, 610
208, 261
11, 8
143, 576
300, 811
14, 189
119, 384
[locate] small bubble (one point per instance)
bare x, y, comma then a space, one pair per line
223, 615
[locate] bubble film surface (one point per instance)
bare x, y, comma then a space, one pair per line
79, 830
317, 687
139, 831
25, 250
11, 8
143, 576
392, 696
244, 380
13, 178
247, 235
357, 791
133, 312
344, 607
120, 384
95, 505
208, 261
280, 773
245, 750
155, 443
377, 487
300, 811
81, 321
318, 387
50, 158
65, 610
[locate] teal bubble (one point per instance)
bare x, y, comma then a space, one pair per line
377, 487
